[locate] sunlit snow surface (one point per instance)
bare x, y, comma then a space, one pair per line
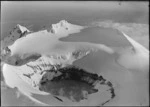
121, 61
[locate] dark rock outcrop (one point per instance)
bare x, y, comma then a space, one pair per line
72, 82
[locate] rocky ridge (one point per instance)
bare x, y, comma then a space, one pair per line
39, 70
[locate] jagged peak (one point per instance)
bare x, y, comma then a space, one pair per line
63, 26
22, 28
62, 23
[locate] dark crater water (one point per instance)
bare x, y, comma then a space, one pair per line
73, 83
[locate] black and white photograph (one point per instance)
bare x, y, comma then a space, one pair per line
74, 53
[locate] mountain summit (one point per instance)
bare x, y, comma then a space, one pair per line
22, 28
17, 32
64, 28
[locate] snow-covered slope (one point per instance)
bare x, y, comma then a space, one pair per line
33, 43
137, 57
17, 32
63, 28
22, 28
41, 55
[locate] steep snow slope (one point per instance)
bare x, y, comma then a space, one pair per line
41, 55
63, 28
17, 32
33, 44
138, 54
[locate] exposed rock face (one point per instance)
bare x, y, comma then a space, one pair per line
17, 32
74, 83
50, 71
70, 82
38, 65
